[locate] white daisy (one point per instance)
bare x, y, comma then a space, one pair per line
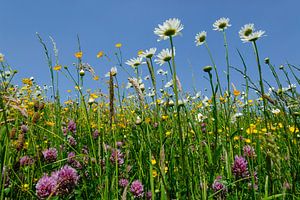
200, 38
170, 27
275, 111
1, 57
161, 72
169, 84
113, 71
134, 62
164, 56
221, 24
248, 33
147, 78
148, 53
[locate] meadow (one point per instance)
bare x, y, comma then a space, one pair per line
161, 142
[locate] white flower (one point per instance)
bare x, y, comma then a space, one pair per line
151, 94
200, 117
236, 116
221, 24
7, 74
198, 94
91, 101
147, 77
1, 57
113, 71
162, 72
171, 27
142, 86
134, 62
148, 53
164, 56
129, 85
169, 84
248, 33
275, 111
200, 38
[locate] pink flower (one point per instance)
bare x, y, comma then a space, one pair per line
137, 189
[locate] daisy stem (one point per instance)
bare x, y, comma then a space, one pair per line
215, 67
177, 108
261, 83
215, 114
228, 78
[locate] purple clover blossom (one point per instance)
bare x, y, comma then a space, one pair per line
249, 151
61, 182
240, 167
72, 141
72, 126
95, 134
46, 187
65, 131
50, 155
67, 179
123, 182
24, 128
26, 161
73, 162
137, 189
149, 195
71, 157
119, 144
117, 156
219, 185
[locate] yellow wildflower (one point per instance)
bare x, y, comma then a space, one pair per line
94, 96
153, 161
247, 140
48, 123
57, 67
147, 120
118, 45
100, 54
166, 169
236, 92
78, 54
164, 117
154, 173
27, 81
25, 187
96, 78
168, 133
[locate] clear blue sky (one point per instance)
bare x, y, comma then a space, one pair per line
101, 24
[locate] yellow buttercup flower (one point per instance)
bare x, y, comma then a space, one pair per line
164, 117
94, 96
57, 67
78, 54
96, 78
25, 187
48, 123
154, 173
118, 45
236, 92
153, 161
100, 54
248, 141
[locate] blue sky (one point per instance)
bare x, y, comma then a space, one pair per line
101, 24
